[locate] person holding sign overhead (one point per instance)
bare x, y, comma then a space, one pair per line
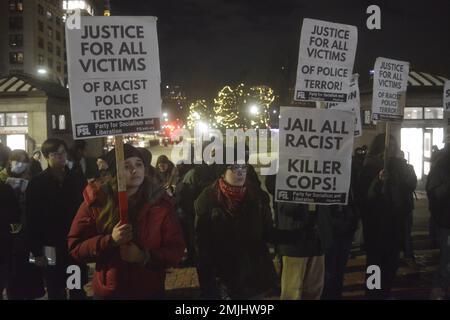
131, 259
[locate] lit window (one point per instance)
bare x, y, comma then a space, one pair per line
16, 57
53, 122
49, 15
17, 119
15, 5
16, 40
62, 122
413, 113
434, 113
2, 119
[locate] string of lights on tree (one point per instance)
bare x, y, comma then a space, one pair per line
241, 107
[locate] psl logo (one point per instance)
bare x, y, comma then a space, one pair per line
73, 21
83, 130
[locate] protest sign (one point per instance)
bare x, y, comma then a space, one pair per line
325, 63
114, 76
447, 96
352, 104
389, 89
315, 155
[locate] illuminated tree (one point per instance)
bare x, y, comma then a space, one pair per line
243, 107
198, 111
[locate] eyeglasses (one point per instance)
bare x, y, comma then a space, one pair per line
58, 154
237, 167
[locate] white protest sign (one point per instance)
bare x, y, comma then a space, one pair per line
315, 155
389, 89
446, 126
446, 98
325, 63
352, 104
114, 76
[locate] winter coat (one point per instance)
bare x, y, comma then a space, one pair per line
158, 233
51, 207
384, 206
233, 257
438, 190
9, 214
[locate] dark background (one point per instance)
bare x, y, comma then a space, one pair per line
206, 44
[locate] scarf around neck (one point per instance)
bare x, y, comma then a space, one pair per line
231, 196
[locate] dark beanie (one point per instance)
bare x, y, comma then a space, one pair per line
128, 150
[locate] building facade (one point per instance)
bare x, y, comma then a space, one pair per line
32, 39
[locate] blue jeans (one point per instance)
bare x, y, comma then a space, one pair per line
442, 276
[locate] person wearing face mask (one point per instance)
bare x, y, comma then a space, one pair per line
25, 280
131, 259
233, 223
384, 193
52, 200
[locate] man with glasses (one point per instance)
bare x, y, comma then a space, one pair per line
53, 198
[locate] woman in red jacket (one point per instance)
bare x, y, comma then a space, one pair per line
130, 259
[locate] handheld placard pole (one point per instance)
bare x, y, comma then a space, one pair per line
387, 141
121, 180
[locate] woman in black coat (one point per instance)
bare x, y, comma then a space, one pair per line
384, 196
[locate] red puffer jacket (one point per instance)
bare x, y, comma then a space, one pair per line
159, 233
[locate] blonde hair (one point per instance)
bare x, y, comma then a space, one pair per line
109, 214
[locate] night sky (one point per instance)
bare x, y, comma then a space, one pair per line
206, 44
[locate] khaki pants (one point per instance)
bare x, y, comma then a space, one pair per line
302, 278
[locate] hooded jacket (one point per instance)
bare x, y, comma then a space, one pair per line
158, 233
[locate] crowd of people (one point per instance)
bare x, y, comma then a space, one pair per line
218, 218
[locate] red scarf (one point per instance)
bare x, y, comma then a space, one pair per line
231, 196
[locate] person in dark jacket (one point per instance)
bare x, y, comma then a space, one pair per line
303, 261
231, 228
52, 200
344, 222
80, 162
35, 163
438, 192
25, 279
131, 259
9, 215
384, 210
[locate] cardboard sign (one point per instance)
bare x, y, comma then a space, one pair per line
114, 76
315, 156
352, 105
325, 63
389, 89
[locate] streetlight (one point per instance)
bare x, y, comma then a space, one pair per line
165, 115
42, 71
254, 109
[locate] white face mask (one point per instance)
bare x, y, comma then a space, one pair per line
69, 164
18, 167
